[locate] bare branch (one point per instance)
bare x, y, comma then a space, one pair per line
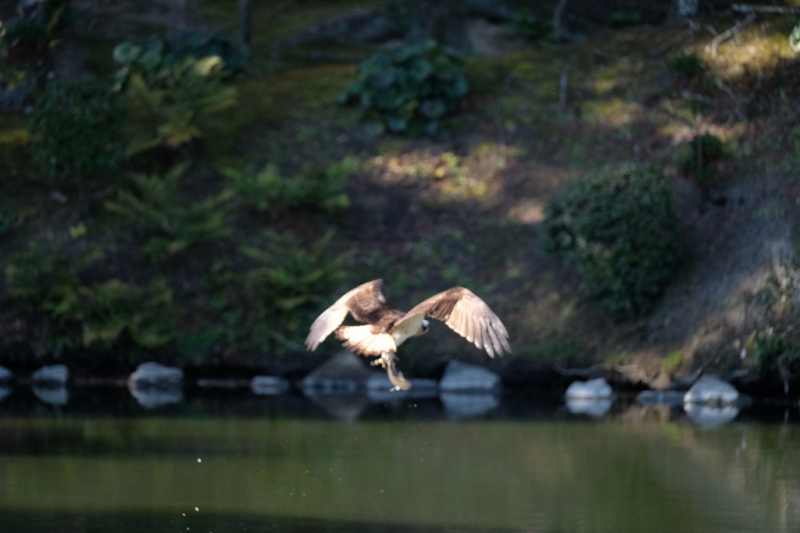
727, 34
746, 8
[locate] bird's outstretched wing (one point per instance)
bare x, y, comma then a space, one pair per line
366, 303
467, 315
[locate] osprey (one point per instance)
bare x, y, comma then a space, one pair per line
387, 328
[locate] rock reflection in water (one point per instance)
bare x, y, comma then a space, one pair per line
153, 398
461, 405
711, 415
595, 407
5, 392
344, 407
52, 395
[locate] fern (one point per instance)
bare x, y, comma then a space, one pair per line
145, 314
318, 188
178, 225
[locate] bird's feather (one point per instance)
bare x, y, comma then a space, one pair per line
467, 315
366, 303
365, 340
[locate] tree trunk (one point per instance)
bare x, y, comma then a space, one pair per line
683, 9
559, 33
245, 25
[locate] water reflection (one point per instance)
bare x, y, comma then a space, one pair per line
711, 415
289, 464
4, 392
594, 407
52, 395
459, 405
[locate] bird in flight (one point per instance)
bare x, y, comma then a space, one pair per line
387, 328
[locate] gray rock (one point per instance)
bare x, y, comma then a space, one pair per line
651, 397
710, 415
268, 385
380, 389
461, 405
51, 395
6, 375
5, 392
51, 376
153, 397
154, 375
463, 377
344, 373
711, 390
594, 388
595, 407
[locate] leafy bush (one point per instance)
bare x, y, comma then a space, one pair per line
114, 308
173, 88
286, 284
69, 313
318, 188
409, 89
178, 224
47, 285
78, 130
704, 153
619, 226
686, 66
156, 58
532, 27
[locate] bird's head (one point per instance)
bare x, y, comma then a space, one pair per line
426, 327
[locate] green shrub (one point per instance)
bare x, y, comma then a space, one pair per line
114, 308
686, 66
78, 129
318, 188
701, 159
157, 58
176, 223
173, 87
619, 226
532, 27
46, 284
409, 89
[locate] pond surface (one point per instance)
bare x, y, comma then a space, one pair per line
234, 462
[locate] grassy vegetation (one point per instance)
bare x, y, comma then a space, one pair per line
246, 204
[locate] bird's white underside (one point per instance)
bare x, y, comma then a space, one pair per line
410, 327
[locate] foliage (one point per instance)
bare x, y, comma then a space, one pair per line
705, 152
409, 89
686, 66
774, 356
174, 86
114, 308
156, 58
794, 38
619, 226
47, 284
75, 313
286, 281
178, 224
174, 114
532, 27
318, 188
78, 130
50, 281
274, 291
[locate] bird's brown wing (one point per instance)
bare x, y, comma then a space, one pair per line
366, 303
467, 315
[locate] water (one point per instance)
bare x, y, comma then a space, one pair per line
234, 462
